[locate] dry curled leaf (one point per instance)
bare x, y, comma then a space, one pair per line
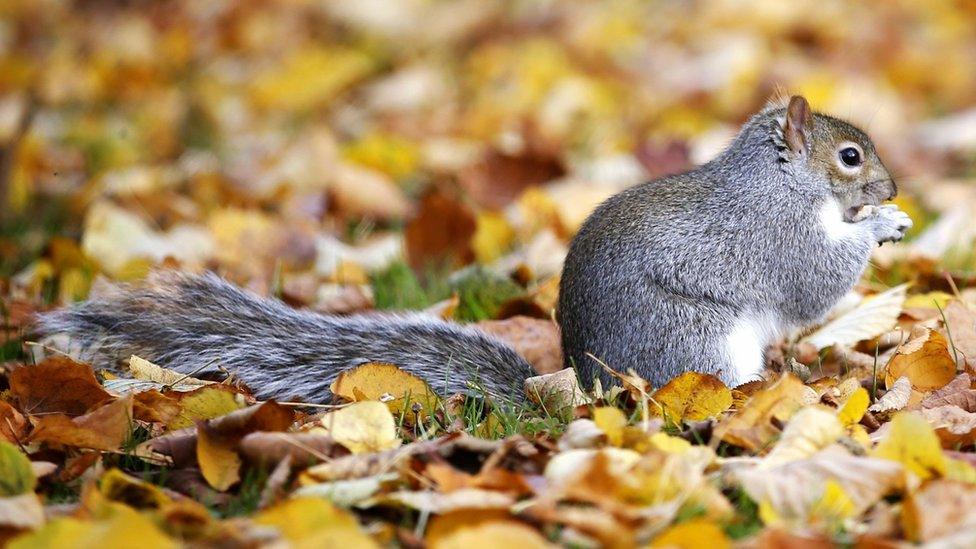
895, 399
557, 390
926, 361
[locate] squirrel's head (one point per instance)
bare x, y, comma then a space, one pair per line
838, 153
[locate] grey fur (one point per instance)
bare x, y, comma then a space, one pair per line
655, 281
658, 275
189, 323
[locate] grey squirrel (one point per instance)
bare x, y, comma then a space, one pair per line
697, 271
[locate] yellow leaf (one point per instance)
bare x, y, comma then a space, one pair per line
957, 469
834, 504
490, 534
314, 522
492, 236
853, 410
397, 157
363, 427
380, 380
912, 442
692, 396
931, 300
204, 403
670, 444
752, 427
219, 462
925, 360
16, 475
125, 528
118, 486
612, 422
309, 77
693, 534
145, 370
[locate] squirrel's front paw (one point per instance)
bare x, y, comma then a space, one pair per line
888, 223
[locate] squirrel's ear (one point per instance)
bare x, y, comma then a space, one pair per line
799, 119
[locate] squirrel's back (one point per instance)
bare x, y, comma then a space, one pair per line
201, 324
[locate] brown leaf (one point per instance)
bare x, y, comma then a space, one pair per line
940, 508
536, 340
267, 416
105, 428
961, 322
956, 393
500, 178
58, 384
303, 449
440, 233
954, 425
154, 407
13, 424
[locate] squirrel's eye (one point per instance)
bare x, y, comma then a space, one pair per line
850, 156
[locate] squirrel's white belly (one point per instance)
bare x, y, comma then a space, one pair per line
747, 342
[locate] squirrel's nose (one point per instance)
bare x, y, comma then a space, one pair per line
892, 189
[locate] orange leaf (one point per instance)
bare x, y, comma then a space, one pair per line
105, 428
58, 384
925, 360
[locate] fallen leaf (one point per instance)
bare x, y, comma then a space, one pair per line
16, 475
303, 449
488, 535
13, 424
314, 522
115, 485
437, 502
957, 392
154, 407
141, 368
954, 426
556, 391
912, 442
124, 527
895, 399
692, 396
57, 385
925, 360
204, 403
873, 316
960, 320
362, 427
854, 407
752, 427
693, 534
104, 428
399, 390
218, 459
537, 340
793, 489
810, 430
612, 422
22, 512
440, 233
347, 493
940, 508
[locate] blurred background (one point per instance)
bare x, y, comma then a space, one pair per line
354, 154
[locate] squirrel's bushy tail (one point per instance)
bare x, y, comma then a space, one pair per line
195, 323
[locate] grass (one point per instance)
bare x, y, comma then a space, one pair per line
480, 292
